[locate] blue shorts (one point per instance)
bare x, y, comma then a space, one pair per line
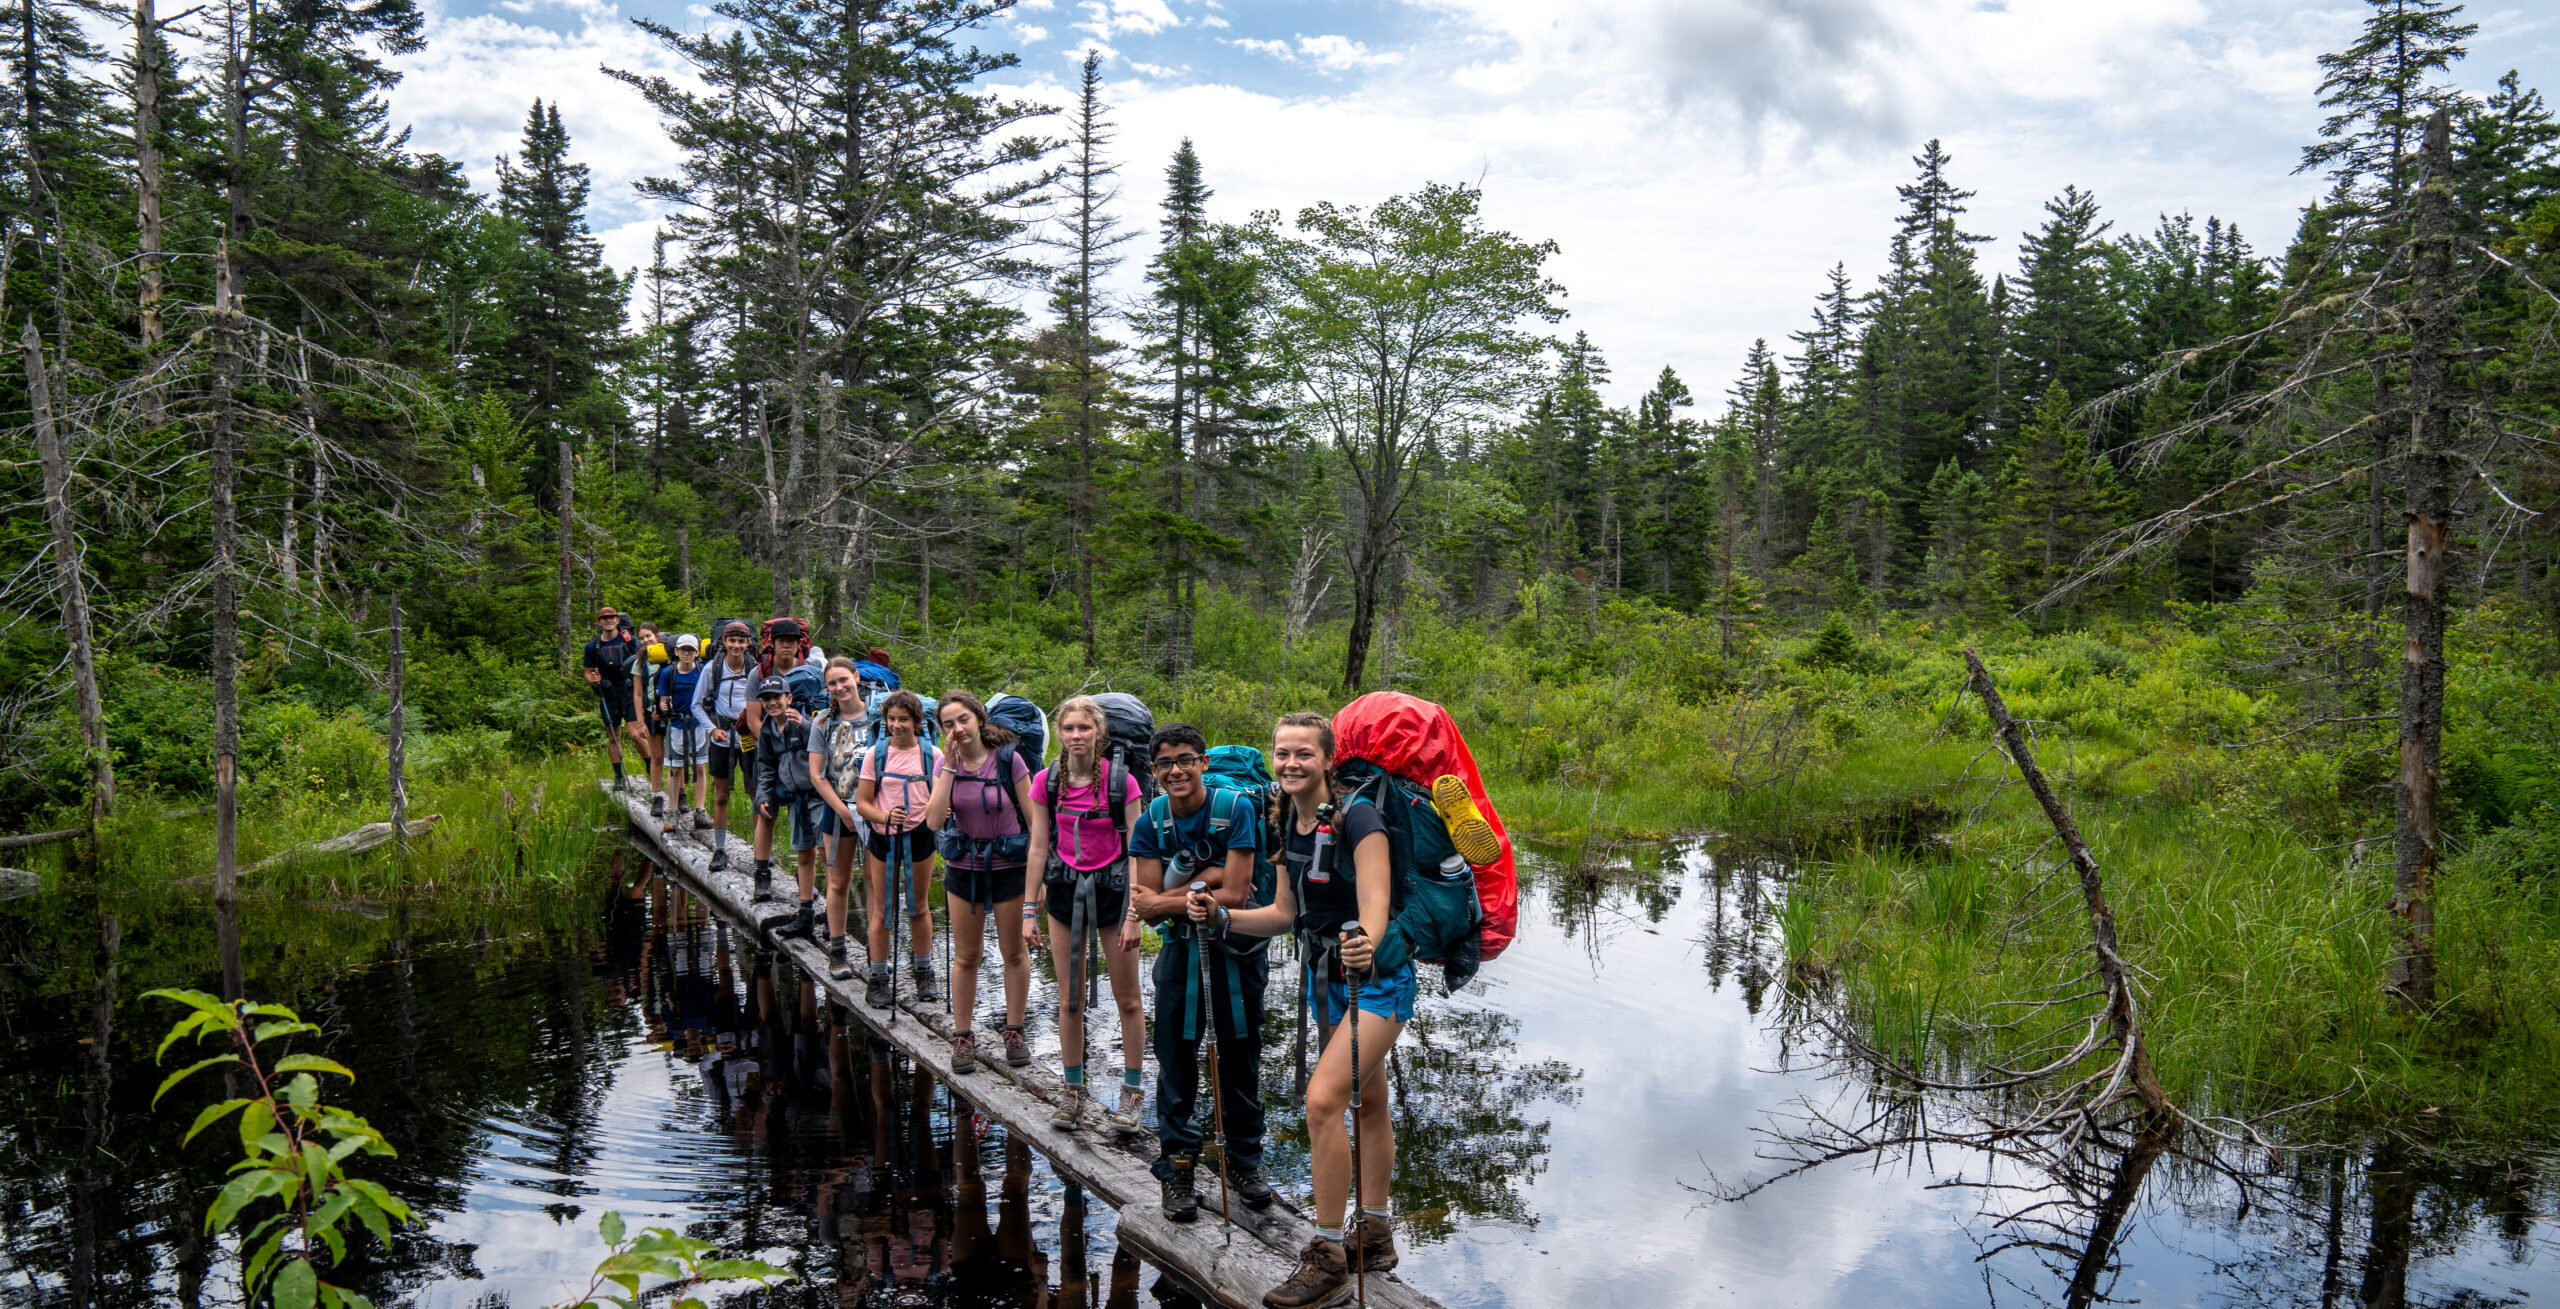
1388, 995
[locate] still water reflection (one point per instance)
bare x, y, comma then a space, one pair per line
1565, 1125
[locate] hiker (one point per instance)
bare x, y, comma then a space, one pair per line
1332, 885
1192, 833
786, 800
1081, 813
687, 742
607, 667
836, 740
648, 728
785, 648
897, 776
983, 795
726, 708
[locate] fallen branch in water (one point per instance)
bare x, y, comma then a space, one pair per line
356, 842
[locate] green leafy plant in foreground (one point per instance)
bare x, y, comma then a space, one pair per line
662, 1252
293, 1151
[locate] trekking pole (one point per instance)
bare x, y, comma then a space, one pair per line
891, 923
604, 711
1217, 1096
1315, 866
1351, 987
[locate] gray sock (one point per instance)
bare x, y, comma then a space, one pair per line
923, 963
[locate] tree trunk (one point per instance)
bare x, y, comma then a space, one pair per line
226, 619
67, 580
150, 60
1368, 576
684, 561
560, 620
924, 583
399, 753
2430, 511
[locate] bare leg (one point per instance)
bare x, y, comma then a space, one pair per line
1017, 960
920, 922
968, 947
840, 888
1328, 1099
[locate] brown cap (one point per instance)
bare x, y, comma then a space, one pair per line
607, 612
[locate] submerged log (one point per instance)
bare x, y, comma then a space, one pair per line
1207, 1253
356, 842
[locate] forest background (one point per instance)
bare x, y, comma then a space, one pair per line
302, 409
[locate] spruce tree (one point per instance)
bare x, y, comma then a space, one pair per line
2056, 497
2071, 328
559, 325
2379, 90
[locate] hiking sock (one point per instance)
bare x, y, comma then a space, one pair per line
1333, 1233
1377, 1215
1075, 1075
1134, 1078
922, 963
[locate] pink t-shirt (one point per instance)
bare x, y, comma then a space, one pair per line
905, 781
1087, 838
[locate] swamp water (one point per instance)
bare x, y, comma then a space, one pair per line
1567, 1126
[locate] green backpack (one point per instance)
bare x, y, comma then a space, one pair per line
1240, 791
1436, 915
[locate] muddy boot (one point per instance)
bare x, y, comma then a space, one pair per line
1181, 1201
1323, 1278
764, 880
843, 971
1372, 1239
796, 925
1073, 1106
1124, 1119
1017, 1052
1250, 1188
877, 992
964, 1052
657, 804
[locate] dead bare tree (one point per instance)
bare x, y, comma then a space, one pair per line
68, 582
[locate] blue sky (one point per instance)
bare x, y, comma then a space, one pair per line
1701, 163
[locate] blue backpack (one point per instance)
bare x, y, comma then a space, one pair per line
929, 731
808, 690
1437, 916
1029, 726
1240, 792
871, 678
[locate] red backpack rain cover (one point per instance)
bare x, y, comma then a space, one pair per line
1415, 739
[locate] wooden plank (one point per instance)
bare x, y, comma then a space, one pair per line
1114, 1168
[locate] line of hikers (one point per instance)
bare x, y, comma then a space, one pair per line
1374, 859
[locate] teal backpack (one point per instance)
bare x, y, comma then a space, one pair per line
1437, 917
1240, 791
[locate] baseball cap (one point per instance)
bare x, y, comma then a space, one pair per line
688, 641
773, 686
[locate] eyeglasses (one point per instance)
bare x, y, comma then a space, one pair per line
1180, 763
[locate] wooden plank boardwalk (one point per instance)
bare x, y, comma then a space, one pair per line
1235, 1261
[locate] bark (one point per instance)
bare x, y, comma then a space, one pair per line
560, 619
398, 751
924, 584
2430, 511
2093, 893
226, 622
150, 64
1368, 588
684, 561
67, 581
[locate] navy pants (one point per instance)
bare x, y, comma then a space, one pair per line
1235, 1004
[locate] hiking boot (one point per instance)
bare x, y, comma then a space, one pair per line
877, 992
1323, 1278
1073, 1105
925, 994
764, 876
964, 1052
720, 860
799, 924
701, 819
843, 971
1125, 1118
1250, 1188
657, 804
1181, 1202
1017, 1052
1468, 830
1376, 1243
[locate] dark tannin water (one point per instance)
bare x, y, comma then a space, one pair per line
1567, 1129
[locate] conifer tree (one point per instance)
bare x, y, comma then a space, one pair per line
2071, 328
2380, 89
2056, 498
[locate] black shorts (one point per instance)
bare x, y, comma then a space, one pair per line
617, 707
724, 760
919, 845
984, 886
1110, 897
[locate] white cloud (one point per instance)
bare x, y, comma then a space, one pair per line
1342, 54
1110, 18
1030, 33
1153, 70
1275, 49
1212, 20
